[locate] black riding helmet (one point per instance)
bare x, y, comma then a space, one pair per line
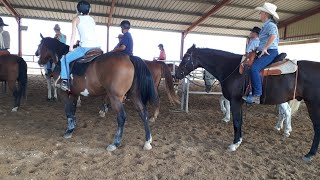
125, 24
83, 7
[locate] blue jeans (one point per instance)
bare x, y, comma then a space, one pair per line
48, 65
68, 58
257, 66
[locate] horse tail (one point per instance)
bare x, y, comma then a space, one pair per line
169, 83
23, 77
294, 105
143, 82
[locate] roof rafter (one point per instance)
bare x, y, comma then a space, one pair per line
111, 12
10, 9
241, 6
206, 15
304, 15
165, 11
127, 17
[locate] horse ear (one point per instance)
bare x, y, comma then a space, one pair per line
193, 46
41, 36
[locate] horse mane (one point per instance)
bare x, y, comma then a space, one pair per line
55, 46
221, 53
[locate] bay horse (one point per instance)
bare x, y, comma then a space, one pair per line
158, 70
111, 75
13, 69
276, 89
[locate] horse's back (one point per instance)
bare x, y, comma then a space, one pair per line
114, 71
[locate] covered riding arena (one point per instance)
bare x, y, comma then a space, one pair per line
185, 145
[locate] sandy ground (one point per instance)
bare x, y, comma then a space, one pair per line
186, 146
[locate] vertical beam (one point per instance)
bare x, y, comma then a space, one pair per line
108, 37
304, 15
19, 37
205, 16
285, 33
109, 22
18, 19
183, 35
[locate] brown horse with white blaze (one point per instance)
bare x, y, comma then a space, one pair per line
112, 75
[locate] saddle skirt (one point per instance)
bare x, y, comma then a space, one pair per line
90, 55
285, 66
279, 66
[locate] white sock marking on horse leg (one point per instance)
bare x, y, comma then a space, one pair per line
15, 109
85, 92
147, 144
234, 147
49, 87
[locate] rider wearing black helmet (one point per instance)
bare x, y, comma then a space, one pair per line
126, 43
85, 25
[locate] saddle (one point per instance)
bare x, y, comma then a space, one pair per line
4, 52
279, 65
89, 56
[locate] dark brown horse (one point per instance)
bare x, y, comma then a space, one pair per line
13, 68
111, 75
276, 89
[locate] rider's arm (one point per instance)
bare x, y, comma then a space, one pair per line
119, 49
270, 41
75, 22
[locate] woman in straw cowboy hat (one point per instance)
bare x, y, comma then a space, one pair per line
268, 48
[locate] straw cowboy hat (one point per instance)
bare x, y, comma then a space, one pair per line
270, 9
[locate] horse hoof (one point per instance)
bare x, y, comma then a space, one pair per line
232, 148
102, 114
307, 158
152, 120
15, 109
111, 148
147, 146
48, 99
277, 128
226, 120
68, 134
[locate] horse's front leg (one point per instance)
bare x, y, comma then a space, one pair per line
70, 106
55, 95
236, 110
287, 111
49, 86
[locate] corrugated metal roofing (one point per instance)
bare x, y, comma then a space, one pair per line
233, 19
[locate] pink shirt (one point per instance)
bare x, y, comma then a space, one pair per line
162, 55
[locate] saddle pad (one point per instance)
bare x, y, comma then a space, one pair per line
90, 55
285, 66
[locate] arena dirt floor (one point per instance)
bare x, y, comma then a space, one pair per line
185, 146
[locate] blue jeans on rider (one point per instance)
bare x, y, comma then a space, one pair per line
257, 66
68, 58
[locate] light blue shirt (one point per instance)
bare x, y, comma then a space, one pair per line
268, 28
252, 45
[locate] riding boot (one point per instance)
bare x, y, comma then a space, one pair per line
65, 86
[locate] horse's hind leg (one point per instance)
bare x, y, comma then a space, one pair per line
144, 116
70, 105
15, 93
314, 114
121, 118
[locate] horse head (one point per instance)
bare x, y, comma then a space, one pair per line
50, 49
189, 63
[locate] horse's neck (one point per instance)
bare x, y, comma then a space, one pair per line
219, 66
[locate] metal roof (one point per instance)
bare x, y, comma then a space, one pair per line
233, 19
